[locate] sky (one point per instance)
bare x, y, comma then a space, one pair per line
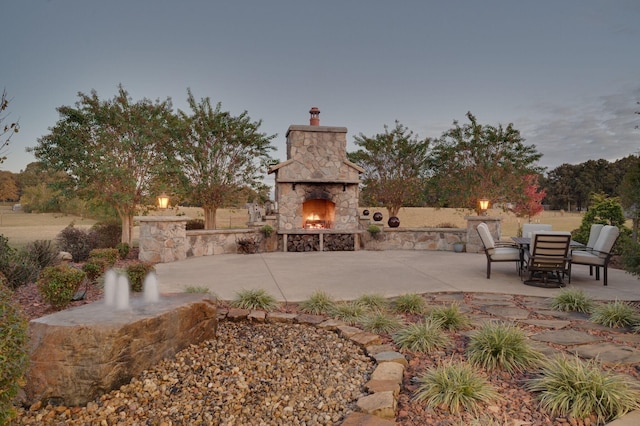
566, 73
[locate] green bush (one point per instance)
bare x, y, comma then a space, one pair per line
568, 386
411, 303
423, 336
572, 300
454, 386
193, 224
137, 271
450, 317
109, 255
267, 230
374, 230
254, 299
602, 209
318, 303
123, 250
14, 353
106, 234
58, 284
78, 242
631, 257
42, 253
94, 268
616, 314
501, 345
17, 266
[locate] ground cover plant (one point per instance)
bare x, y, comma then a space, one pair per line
569, 386
423, 336
318, 303
572, 300
615, 314
380, 322
349, 312
411, 303
254, 299
450, 317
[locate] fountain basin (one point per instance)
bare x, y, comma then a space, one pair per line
78, 354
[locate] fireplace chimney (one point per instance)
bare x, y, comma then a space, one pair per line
315, 116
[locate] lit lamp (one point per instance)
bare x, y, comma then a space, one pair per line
484, 205
163, 201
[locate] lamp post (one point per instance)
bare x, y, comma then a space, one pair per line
484, 205
163, 201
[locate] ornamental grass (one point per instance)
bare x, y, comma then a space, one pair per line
255, 299
424, 336
572, 300
318, 303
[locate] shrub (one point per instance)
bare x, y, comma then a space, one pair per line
572, 300
106, 234
349, 312
372, 302
425, 336
58, 284
94, 268
374, 230
450, 317
267, 230
615, 314
14, 353
136, 272
123, 250
455, 386
197, 289
42, 253
631, 257
254, 299
569, 386
109, 255
411, 303
318, 303
19, 270
76, 241
499, 345
193, 224
380, 322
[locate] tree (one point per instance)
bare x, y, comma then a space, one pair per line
529, 203
221, 155
605, 210
115, 151
473, 161
630, 196
8, 187
6, 130
395, 167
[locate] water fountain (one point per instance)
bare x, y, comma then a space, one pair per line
117, 290
150, 292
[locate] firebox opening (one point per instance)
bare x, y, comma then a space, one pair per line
318, 214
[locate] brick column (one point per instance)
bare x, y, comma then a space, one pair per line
162, 238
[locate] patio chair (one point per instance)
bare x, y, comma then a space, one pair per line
529, 228
600, 254
497, 252
548, 260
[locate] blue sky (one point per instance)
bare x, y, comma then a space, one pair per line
566, 73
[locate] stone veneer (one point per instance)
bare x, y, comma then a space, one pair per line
316, 169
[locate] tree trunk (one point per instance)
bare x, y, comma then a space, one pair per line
393, 210
127, 228
210, 217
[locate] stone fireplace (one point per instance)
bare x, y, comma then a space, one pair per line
316, 188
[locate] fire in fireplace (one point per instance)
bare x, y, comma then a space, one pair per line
318, 214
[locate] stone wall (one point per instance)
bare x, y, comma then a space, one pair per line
162, 238
441, 239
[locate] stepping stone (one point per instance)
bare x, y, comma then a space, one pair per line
609, 353
588, 325
509, 312
566, 337
563, 314
627, 338
545, 349
554, 324
449, 297
493, 296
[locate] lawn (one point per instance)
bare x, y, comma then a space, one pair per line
21, 228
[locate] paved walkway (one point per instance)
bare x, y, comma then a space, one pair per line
293, 277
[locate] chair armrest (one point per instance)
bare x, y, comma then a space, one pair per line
506, 244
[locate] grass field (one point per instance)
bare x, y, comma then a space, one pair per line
21, 228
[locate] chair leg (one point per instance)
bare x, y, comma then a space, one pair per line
488, 268
597, 273
605, 275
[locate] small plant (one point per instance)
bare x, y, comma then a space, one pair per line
254, 299
76, 241
615, 315
411, 303
455, 386
194, 224
248, 245
106, 234
109, 255
374, 231
373, 301
381, 323
349, 312
42, 253
501, 346
137, 271
94, 269
318, 303
197, 289
58, 284
266, 230
123, 250
425, 336
572, 300
14, 352
450, 317
568, 386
